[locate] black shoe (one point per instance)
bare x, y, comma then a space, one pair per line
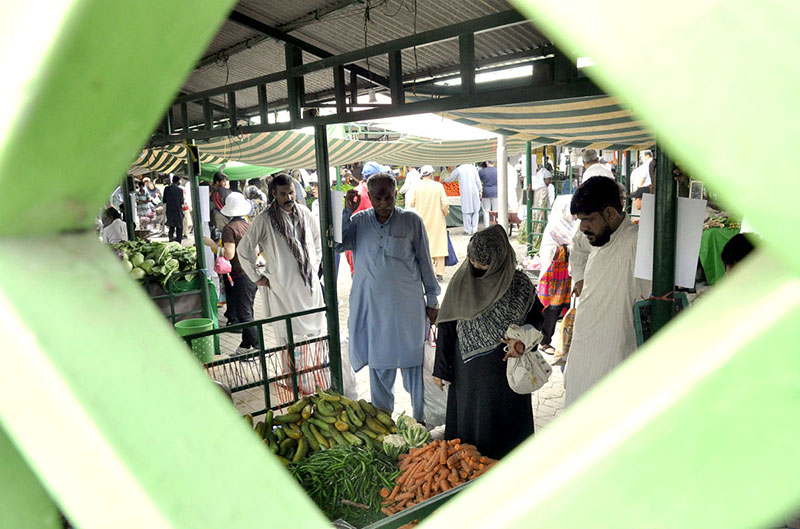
235, 331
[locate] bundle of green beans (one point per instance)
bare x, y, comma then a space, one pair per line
349, 473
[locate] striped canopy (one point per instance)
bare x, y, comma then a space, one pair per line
596, 122
296, 149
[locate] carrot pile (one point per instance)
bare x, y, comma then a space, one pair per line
431, 469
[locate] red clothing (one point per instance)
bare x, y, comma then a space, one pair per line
365, 203
363, 194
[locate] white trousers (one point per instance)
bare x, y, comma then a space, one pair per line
489, 204
471, 222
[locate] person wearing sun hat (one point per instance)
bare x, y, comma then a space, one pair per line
240, 290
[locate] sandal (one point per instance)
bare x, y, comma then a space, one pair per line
547, 349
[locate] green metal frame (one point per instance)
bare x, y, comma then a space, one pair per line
678, 436
261, 355
129, 205
558, 82
528, 197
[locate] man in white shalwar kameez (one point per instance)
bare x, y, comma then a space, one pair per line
603, 335
291, 244
539, 188
469, 186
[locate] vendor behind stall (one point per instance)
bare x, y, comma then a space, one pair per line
114, 229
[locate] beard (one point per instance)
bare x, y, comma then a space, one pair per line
602, 238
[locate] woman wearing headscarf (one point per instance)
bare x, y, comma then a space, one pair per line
486, 295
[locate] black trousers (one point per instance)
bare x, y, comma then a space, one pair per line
551, 316
177, 231
244, 294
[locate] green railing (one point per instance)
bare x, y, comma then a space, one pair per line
237, 372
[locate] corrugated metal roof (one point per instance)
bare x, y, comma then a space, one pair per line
343, 31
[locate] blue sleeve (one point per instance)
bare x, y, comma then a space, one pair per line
349, 231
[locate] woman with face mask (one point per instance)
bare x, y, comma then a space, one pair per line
486, 295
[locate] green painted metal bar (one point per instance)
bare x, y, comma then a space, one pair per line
24, 503
208, 115
328, 262
340, 90
192, 158
529, 197
627, 181
500, 93
396, 78
664, 240
292, 359
262, 359
232, 111
488, 22
466, 51
185, 116
294, 83
130, 226
263, 105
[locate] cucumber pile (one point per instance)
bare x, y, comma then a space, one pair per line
321, 422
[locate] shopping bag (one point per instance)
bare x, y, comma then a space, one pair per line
529, 372
435, 398
451, 259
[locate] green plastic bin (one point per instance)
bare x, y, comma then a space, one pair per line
203, 348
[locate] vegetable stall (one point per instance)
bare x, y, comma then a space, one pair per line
358, 465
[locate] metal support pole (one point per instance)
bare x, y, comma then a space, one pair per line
502, 183
626, 181
328, 263
295, 86
126, 200
528, 197
192, 157
664, 240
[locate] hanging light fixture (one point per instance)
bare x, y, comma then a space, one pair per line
372, 98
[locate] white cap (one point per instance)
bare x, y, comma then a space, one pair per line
426, 170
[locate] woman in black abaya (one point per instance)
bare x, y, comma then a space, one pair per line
485, 296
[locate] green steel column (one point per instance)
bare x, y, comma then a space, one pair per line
126, 199
627, 181
528, 197
328, 262
197, 221
664, 239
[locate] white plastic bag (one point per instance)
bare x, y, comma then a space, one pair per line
435, 398
530, 371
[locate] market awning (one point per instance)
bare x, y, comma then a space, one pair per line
597, 122
296, 149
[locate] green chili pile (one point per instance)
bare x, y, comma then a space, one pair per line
349, 473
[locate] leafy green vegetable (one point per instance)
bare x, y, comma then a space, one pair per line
160, 261
137, 259
137, 273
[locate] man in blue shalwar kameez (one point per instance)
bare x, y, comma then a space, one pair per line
394, 292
